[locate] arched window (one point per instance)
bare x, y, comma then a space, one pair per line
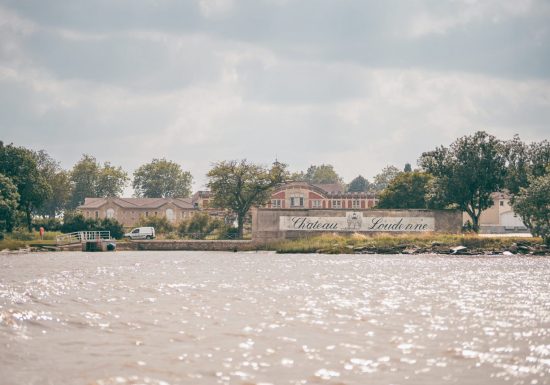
170, 215
110, 213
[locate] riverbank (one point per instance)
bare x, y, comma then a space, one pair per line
413, 244
326, 244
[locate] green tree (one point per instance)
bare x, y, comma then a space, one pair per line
111, 181
382, 180
239, 185
518, 168
9, 200
322, 174
162, 179
59, 182
84, 176
406, 191
91, 180
407, 168
467, 173
359, 184
20, 165
532, 204
539, 157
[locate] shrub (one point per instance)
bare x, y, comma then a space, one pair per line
23, 235
202, 225
49, 224
112, 225
76, 222
161, 224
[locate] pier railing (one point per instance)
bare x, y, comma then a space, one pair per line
82, 236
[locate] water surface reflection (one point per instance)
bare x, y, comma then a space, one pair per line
261, 318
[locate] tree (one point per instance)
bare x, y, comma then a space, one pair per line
532, 204
467, 173
239, 185
322, 174
359, 184
516, 155
407, 168
382, 180
111, 181
59, 182
84, 176
20, 165
9, 200
539, 156
91, 180
406, 191
162, 179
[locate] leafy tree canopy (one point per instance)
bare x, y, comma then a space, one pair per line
9, 200
321, 174
239, 185
532, 204
90, 179
382, 180
466, 173
406, 191
162, 179
59, 182
359, 184
20, 165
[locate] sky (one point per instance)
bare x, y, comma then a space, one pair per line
357, 84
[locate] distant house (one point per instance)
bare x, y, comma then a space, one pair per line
128, 211
500, 217
304, 195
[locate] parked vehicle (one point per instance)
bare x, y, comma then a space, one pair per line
141, 233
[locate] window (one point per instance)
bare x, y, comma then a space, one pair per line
296, 200
276, 203
110, 213
336, 204
97, 214
170, 215
501, 203
356, 204
146, 214
316, 203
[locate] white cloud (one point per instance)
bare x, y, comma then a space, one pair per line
132, 94
215, 8
430, 21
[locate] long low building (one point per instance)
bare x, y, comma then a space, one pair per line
128, 211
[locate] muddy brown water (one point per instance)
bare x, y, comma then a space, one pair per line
261, 318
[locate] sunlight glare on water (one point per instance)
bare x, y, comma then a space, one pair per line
261, 318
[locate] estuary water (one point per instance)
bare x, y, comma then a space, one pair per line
262, 318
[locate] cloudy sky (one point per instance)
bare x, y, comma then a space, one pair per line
356, 83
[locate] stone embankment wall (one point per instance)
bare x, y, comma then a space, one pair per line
275, 224
195, 245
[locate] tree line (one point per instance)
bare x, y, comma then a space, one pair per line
461, 176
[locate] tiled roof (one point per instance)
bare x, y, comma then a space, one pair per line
332, 188
137, 203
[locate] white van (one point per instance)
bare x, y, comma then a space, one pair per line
141, 233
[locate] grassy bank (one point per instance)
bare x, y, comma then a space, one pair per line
406, 243
23, 240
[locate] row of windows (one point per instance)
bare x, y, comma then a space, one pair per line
315, 203
170, 215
